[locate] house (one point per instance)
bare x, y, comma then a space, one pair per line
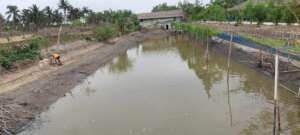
160, 19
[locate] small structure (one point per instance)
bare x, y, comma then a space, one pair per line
160, 19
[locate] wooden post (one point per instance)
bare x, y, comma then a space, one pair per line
207, 42
229, 51
261, 61
298, 92
275, 95
278, 117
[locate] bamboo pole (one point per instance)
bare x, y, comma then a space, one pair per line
207, 43
229, 50
228, 72
275, 96
298, 92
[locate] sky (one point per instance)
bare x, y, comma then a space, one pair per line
137, 6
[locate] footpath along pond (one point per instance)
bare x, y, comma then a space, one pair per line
167, 87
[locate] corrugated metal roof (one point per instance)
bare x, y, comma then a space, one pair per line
163, 14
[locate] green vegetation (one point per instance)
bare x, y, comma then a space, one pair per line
104, 32
295, 49
14, 53
77, 23
33, 18
163, 7
229, 10
265, 41
198, 30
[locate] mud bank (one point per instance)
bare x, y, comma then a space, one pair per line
21, 105
289, 75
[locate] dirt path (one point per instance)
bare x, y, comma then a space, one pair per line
30, 92
20, 77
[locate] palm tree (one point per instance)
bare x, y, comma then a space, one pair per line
2, 22
57, 17
13, 14
85, 11
36, 17
65, 6
25, 19
94, 18
74, 14
49, 15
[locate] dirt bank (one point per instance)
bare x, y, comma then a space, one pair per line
26, 98
289, 75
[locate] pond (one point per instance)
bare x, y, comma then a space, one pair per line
168, 87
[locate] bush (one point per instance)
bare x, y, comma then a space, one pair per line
77, 23
104, 33
14, 53
42, 42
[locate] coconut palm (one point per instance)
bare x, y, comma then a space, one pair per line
49, 15
25, 19
65, 6
13, 14
94, 18
2, 22
36, 17
74, 13
57, 17
85, 11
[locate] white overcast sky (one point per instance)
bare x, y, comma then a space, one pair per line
136, 6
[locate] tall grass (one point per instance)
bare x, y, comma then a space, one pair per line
199, 31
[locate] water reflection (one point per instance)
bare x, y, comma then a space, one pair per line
169, 87
212, 71
121, 64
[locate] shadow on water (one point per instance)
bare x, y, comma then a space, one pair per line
171, 86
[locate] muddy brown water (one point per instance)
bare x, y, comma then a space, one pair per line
167, 87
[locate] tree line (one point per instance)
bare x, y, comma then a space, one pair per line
34, 18
275, 11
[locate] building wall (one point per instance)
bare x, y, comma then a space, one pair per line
159, 23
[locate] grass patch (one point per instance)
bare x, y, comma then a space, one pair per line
295, 49
265, 41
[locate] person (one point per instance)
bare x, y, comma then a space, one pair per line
55, 59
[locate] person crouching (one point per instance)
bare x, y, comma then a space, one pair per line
55, 59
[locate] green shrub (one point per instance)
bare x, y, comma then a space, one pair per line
77, 23
104, 33
43, 42
87, 38
14, 53
200, 31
